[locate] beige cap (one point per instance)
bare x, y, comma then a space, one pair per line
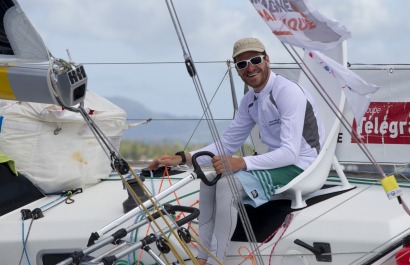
247, 44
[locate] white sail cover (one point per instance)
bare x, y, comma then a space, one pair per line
54, 147
19, 39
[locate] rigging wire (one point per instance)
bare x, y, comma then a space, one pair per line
234, 99
146, 63
214, 132
201, 119
397, 66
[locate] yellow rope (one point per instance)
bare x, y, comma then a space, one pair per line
135, 196
206, 250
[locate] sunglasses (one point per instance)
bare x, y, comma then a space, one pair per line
254, 61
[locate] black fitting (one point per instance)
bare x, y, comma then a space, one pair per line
121, 165
130, 203
162, 245
148, 240
119, 234
109, 260
77, 256
147, 249
190, 67
321, 250
37, 213
94, 236
184, 234
26, 214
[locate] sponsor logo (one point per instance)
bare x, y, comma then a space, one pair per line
385, 123
254, 193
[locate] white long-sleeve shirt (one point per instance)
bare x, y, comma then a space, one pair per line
288, 123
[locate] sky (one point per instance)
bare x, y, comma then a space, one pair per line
119, 41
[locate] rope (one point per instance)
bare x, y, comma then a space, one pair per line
166, 174
99, 135
155, 205
246, 257
146, 210
195, 239
24, 241
43, 209
285, 225
69, 200
133, 237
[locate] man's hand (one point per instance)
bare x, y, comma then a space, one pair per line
166, 160
234, 163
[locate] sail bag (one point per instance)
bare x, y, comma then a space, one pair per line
54, 148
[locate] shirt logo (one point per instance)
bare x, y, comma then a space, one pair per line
254, 193
273, 122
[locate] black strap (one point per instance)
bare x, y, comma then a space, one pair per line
182, 155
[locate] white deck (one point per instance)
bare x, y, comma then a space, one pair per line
355, 224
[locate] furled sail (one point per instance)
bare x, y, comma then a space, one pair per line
28, 72
18, 38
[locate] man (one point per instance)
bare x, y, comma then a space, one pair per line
289, 126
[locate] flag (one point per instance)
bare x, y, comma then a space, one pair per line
355, 88
297, 23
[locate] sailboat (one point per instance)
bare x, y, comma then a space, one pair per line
316, 219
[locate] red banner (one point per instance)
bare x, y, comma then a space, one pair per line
385, 123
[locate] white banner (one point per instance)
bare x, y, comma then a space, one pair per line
298, 23
385, 127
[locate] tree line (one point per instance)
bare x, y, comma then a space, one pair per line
141, 151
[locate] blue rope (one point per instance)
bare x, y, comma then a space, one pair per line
138, 218
55, 200
22, 229
24, 244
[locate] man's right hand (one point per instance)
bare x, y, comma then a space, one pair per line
166, 160
235, 164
